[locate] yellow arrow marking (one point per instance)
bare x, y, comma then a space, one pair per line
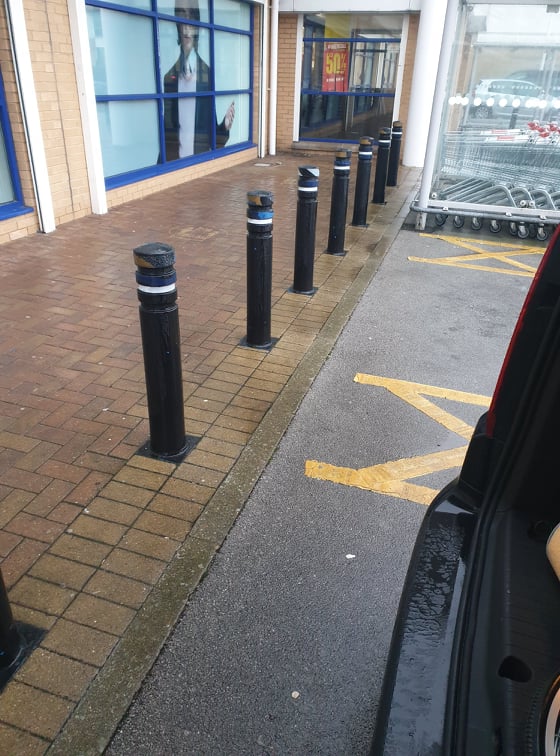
392, 477
507, 256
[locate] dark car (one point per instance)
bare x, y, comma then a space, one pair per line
474, 664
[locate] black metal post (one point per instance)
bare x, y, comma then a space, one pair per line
159, 325
363, 175
306, 219
339, 202
12, 646
513, 118
394, 153
259, 268
382, 164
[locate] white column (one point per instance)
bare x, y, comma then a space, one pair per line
426, 60
273, 77
88, 108
31, 119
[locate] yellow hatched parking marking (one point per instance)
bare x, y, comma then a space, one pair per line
393, 478
478, 252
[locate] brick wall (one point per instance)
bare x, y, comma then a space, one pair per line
414, 21
22, 225
287, 27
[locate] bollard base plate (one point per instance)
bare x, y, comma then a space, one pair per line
190, 442
260, 347
306, 293
336, 254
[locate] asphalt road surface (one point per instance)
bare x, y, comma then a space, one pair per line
282, 648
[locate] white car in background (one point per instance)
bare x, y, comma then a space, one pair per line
494, 97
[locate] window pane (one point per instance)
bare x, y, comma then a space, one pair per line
192, 58
129, 135
344, 117
230, 13
232, 56
239, 131
140, 4
6, 187
122, 52
195, 9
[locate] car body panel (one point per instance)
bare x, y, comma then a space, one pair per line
475, 648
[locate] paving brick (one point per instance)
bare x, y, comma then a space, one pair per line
32, 617
176, 507
15, 502
41, 595
222, 447
47, 500
98, 530
127, 494
15, 741
33, 710
187, 490
141, 478
79, 642
65, 513
8, 541
56, 674
20, 559
113, 511
89, 487
197, 474
117, 588
160, 524
62, 571
99, 614
149, 544
211, 461
139, 566
35, 527
80, 549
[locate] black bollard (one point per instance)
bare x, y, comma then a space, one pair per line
363, 175
259, 268
308, 181
339, 202
394, 153
159, 325
381, 167
12, 646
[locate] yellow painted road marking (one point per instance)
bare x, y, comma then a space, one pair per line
415, 395
393, 477
479, 252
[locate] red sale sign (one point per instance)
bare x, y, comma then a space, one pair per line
335, 67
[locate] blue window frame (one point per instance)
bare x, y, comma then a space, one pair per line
173, 83
11, 198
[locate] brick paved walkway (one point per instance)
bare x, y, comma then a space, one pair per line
101, 546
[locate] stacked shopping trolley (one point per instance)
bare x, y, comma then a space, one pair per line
506, 176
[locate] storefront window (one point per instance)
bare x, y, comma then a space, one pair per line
170, 88
11, 201
349, 75
498, 153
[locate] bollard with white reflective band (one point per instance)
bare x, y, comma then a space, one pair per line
381, 167
159, 324
394, 153
259, 269
306, 221
339, 202
363, 175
